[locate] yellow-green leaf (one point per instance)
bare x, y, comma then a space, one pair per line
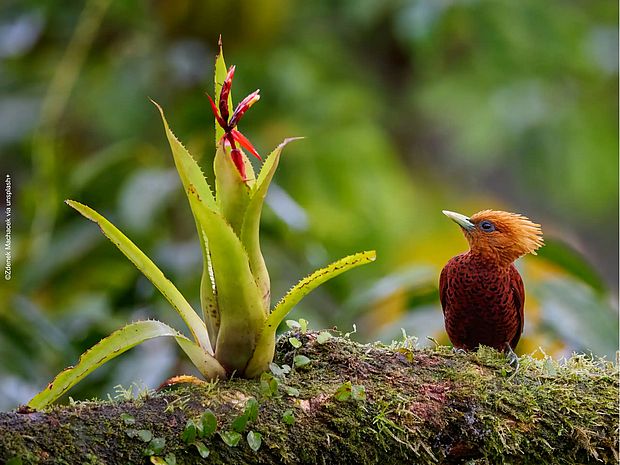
115, 344
188, 169
190, 173
254, 440
251, 224
150, 270
231, 191
265, 345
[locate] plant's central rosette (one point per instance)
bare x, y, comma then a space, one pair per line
236, 333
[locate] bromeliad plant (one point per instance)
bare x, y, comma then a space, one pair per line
238, 328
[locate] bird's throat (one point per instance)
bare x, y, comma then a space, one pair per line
491, 258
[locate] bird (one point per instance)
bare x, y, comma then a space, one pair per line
481, 292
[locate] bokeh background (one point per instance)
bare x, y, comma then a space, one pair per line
408, 107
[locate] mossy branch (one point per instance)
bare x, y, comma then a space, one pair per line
416, 406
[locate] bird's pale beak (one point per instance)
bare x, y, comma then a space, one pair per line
463, 221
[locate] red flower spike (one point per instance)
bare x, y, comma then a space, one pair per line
243, 106
235, 154
231, 135
225, 92
219, 119
237, 159
245, 143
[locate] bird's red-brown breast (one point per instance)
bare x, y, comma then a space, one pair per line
482, 304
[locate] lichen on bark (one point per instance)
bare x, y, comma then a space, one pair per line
426, 406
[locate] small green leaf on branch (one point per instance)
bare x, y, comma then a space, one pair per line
301, 361
291, 391
155, 446
208, 422
230, 438
251, 409
348, 391
358, 392
202, 449
189, 433
239, 423
343, 393
268, 384
144, 435
288, 417
128, 419
279, 371
254, 440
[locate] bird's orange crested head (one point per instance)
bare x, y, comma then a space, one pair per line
499, 235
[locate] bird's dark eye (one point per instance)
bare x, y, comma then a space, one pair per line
487, 226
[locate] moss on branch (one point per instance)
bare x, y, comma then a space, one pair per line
427, 406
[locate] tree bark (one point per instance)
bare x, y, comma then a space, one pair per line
426, 406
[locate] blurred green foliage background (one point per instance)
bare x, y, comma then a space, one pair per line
408, 107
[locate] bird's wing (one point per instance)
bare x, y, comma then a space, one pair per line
518, 296
443, 287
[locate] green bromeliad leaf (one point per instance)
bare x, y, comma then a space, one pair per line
251, 223
190, 173
269, 167
232, 192
265, 345
115, 344
311, 282
188, 168
150, 270
239, 300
